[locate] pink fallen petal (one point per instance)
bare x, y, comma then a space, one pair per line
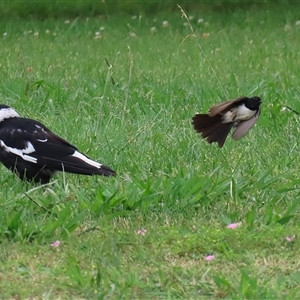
290, 238
210, 257
56, 244
233, 225
141, 231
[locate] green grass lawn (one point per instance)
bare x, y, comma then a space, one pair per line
123, 89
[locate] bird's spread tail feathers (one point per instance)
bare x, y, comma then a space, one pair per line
212, 128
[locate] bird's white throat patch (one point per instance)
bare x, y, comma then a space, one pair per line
6, 113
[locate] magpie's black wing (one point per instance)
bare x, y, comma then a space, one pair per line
36, 144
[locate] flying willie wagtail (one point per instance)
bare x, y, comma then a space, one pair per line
241, 113
33, 152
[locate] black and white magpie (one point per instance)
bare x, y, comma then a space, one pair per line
241, 113
33, 152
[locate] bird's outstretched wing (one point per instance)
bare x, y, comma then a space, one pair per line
225, 106
243, 127
34, 143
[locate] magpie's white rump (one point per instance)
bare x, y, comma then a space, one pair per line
33, 152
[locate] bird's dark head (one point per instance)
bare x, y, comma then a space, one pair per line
3, 106
7, 112
253, 103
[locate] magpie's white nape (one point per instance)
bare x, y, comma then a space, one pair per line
34, 153
241, 114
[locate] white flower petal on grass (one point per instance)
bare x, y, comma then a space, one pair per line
56, 244
141, 231
98, 35
283, 109
234, 225
165, 23
210, 257
290, 238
